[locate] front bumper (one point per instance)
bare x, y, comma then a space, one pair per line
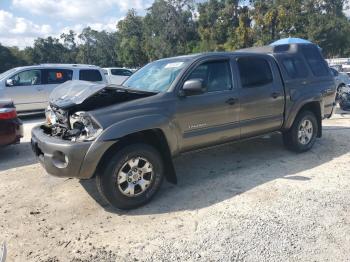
64, 158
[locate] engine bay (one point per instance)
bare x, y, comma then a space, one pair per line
74, 123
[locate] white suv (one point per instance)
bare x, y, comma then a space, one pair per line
30, 86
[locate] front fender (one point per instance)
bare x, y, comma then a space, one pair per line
147, 122
142, 123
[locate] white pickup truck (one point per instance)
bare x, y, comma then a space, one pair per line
117, 75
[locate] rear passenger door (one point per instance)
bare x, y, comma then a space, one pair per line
261, 95
51, 79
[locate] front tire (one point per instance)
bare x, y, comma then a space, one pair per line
131, 177
302, 135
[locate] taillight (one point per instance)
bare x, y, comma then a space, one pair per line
7, 113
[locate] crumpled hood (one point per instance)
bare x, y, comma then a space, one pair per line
74, 92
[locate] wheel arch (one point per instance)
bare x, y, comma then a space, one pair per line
314, 107
154, 137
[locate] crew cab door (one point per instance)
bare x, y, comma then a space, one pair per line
213, 116
261, 95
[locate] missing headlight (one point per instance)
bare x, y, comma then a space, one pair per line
83, 127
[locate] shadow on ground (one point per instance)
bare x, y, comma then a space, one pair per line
212, 176
18, 155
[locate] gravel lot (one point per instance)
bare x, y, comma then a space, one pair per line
249, 201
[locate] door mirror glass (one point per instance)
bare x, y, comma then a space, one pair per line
9, 82
193, 87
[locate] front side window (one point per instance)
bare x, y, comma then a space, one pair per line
58, 76
27, 78
216, 75
91, 75
156, 76
121, 72
254, 72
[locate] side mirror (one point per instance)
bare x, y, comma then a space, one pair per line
193, 87
10, 82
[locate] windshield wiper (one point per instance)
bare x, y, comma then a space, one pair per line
131, 90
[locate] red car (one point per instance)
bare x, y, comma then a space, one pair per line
11, 129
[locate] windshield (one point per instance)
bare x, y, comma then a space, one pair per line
6, 73
157, 76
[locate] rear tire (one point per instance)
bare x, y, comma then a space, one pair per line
302, 135
131, 177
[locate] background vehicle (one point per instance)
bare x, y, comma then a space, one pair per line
30, 86
116, 75
344, 100
127, 136
11, 130
342, 80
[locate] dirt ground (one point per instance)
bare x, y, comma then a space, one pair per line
249, 201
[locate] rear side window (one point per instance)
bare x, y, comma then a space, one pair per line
216, 75
295, 67
121, 72
254, 71
315, 61
91, 75
57, 76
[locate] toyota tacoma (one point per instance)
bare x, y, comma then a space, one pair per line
126, 136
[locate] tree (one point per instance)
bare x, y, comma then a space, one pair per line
70, 56
130, 47
46, 50
331, 33
7, 59
169, 28
86, 54
241, 36
211, 34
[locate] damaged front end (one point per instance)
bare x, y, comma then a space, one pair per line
68, 116
78, 126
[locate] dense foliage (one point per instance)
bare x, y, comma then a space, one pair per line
174, 27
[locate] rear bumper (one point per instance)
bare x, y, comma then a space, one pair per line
11, 131
64, 158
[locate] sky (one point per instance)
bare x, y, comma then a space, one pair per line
22, 21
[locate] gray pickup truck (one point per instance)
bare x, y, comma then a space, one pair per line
127, 136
